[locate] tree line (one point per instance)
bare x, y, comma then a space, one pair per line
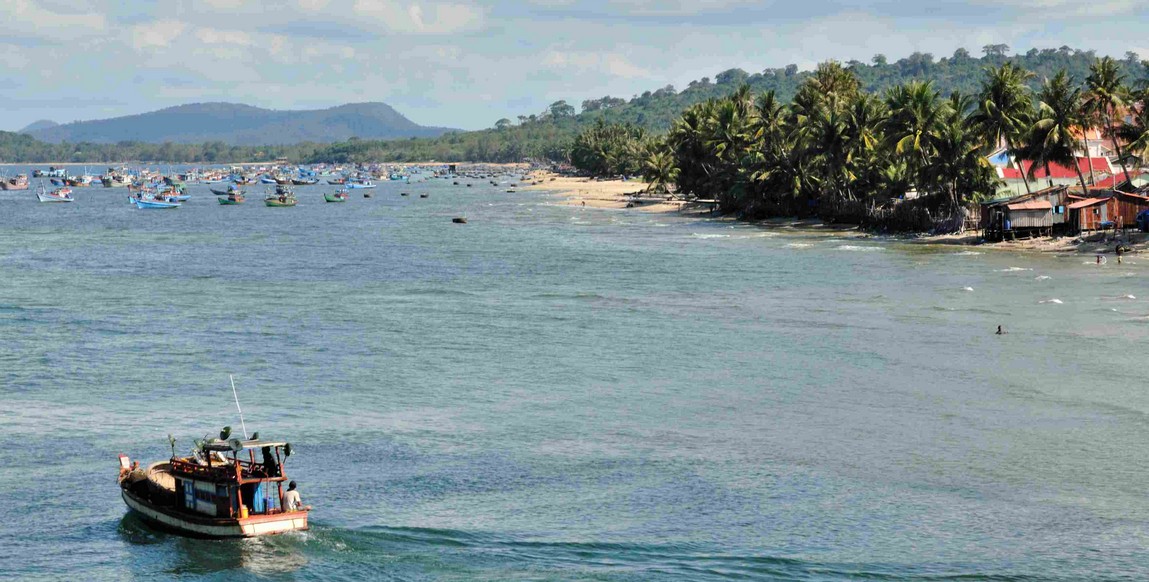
840, 152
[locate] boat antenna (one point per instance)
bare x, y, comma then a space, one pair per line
236, 395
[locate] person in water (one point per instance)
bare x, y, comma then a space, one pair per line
999, 331
1119, 251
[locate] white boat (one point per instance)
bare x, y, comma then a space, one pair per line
57, 195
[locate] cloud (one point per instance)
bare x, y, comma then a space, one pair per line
156, 34
427, 18
612, 64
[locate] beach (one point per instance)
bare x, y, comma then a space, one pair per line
594, 193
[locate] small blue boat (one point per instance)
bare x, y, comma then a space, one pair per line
360, 185
150, 204
266, 180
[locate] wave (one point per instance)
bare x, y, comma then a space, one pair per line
859, 248
1012, 270
799, 245
967, 289
708, 236
1054, 301
968, 254
1042, 278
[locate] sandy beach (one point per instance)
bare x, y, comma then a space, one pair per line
574, 191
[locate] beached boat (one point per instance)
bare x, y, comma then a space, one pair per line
57, 195
220, 491
20, 182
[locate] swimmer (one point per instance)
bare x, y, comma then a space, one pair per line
999, 331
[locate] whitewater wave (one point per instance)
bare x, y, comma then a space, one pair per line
1013, 270
1054, 301
968, 254
967, 289
859, 249
1042, 278
708, 236
799, 245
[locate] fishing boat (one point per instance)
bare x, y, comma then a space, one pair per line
282, 197
20, 182
154, 204
337, 181
340, 196
219, 491
304, 181
57, 195
363, 185
235, 197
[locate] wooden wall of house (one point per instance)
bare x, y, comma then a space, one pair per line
1127, 207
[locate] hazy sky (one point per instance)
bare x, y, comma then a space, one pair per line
464, 63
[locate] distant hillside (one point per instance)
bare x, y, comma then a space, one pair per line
234, 124
37, 125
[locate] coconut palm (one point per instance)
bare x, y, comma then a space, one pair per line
915, 111
1105, 96
1051, 139
1005, 109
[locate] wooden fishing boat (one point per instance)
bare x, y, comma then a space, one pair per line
340, 196
304, 181
220, 491
365, 184
231, 199
57, 195
220, 192
154, 203
337, 181
20, 182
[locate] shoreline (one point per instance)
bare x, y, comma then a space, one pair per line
619, 194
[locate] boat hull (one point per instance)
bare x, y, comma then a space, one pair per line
10, 186
49, 198
331, 198
278, 204
229, 201
215, 528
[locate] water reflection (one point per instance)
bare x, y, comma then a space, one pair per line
272, 555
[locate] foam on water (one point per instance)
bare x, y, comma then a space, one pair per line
860, 248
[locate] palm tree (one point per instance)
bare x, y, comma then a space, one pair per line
1051, 139
1005, 109
915, 112
658, 168
1106, 94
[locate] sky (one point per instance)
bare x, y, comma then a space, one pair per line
468, 63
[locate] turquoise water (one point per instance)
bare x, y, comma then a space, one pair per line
560, 393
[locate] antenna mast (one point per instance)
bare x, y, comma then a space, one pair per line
236, 395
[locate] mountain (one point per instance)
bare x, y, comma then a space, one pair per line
37, 125
235, 124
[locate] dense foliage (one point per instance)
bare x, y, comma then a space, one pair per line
909, 158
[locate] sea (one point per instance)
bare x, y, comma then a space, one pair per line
552, 392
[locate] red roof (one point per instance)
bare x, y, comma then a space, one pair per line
1116, 179
1058, 171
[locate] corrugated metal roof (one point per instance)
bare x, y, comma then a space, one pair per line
1086, 202
1031, 205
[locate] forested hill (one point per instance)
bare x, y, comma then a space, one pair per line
548, 134
235, 124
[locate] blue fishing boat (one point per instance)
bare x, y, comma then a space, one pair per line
145, 203
360, 185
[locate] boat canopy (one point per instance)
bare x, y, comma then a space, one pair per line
225, 446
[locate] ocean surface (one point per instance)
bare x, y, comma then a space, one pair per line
562, 393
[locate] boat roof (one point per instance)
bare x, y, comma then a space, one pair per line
223, 446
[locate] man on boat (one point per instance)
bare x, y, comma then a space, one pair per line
291, 501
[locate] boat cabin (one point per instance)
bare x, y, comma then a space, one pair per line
231, 479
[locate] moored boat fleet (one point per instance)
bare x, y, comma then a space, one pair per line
150, 189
